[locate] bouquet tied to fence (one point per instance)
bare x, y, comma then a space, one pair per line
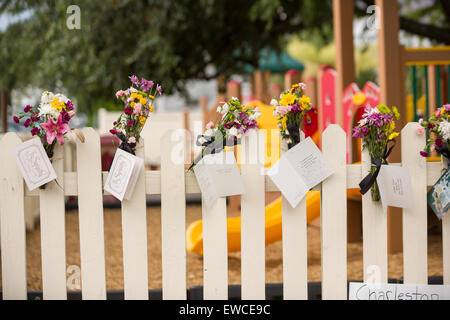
377, 130
291, 110
138, 100
438, 129
233, 120
49, 121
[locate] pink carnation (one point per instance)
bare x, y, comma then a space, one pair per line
209, 125
420, 130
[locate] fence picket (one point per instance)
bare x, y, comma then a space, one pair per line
173, 217
90, 208
295, 250
253, 217
215, 252
12, 215
334, 217
53, 233
134, 239
374, 232
446, 241
415, 233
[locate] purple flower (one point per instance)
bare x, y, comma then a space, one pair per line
27, 123
146, 85
357, 133
309, 123
364, 131
130, 123
242, 115
439, 143
159, 89
69, 105
134, 80
424, 154
27, 109
35, 131
296, 109
16, 119
447, 107
35, 117
430, 126
113, 131
65, 117
129, 110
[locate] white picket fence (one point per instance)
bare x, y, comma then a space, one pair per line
173, 183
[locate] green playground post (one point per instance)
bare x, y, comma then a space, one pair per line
415, 93
448, 84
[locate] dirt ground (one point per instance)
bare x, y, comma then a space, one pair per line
274, 267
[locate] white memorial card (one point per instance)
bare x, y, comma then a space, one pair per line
298, 170
394, 183
123, 175
218, 176
34, 163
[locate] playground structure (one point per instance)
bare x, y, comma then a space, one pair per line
381, 233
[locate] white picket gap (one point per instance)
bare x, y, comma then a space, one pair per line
253, 217
415, 232
375, 255
53, 233
90, 212
173, 216
295, 249
12, 222
134, 239
334, 216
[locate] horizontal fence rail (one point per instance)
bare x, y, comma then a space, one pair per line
173, 183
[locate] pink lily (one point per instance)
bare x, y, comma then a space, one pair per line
55, 130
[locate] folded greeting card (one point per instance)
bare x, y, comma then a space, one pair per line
123, 175
34, 163
439, 195
218, 176
298, 170
395, 187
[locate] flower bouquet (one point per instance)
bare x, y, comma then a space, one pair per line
138, 101
291, 110
49, 121
438, 128
377, 131
233, 120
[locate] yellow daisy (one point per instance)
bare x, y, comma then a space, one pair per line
287, 99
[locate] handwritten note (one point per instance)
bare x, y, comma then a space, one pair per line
218, 176
34, 163
364, 291
395, 187
298, 170
123, 175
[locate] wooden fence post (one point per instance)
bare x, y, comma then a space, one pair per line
134, 238
173, 216
253, 217
90, 212
334, 216
12, 215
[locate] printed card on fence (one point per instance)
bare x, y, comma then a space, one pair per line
298, 170
439, 196
34, 163
218, 176
395, 187
123, 175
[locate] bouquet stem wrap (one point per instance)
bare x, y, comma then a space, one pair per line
370, 181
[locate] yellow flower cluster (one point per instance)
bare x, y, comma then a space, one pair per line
138, 98
58, 105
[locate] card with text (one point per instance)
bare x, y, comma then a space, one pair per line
123, 175
439, 196
395, 187
298, 170
34, 163
218, 176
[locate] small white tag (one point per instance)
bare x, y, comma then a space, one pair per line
123, 175
34, 163
298, 170
218, 176
395, 187
366, 291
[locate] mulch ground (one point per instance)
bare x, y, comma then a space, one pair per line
274, 267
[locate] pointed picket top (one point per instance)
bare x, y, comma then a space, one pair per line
333, 130
12, 216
